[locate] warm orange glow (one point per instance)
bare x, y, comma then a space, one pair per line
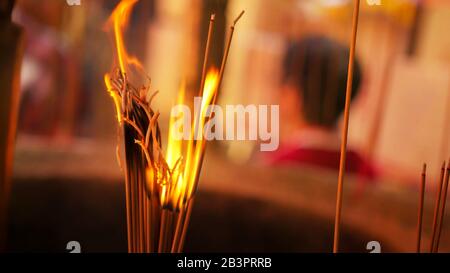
195, 149
168, 180
119, 20
176, 185
115, 96
174, 145
184, 167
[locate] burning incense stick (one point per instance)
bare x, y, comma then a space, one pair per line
227, 48
160, 188
436, 207
345, 129
442, 211
420, 210
207, 49
222, 69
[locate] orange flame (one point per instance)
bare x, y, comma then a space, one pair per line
119, 20
177, 188
184, 189
173, 144
176, 192
114, 95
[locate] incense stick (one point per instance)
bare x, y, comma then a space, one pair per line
227, 49
207, 50
162, 231
442, 211
436, 207
221, 73
181, 230
185, 226
345, 129
222, 69
178, 230
420, 210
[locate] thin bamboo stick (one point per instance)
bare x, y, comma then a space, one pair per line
186, 219
221, 72
134, 213
170, 231
185, 225
340, 188
128, 208
227, 51
162, 230
207, 50
156, 216
420, 211
146, 224
139, 218
178, 230
442, 212
436, 208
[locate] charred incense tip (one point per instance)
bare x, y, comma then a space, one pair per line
213, 17
424, 169
239, 17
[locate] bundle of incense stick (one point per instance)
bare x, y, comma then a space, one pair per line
159, 188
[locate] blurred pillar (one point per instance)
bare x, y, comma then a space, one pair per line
11, 48
173, 50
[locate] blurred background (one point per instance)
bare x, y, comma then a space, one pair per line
67, 184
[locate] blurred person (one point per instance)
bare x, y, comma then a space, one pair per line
313, 89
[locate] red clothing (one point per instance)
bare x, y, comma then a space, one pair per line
329, 159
